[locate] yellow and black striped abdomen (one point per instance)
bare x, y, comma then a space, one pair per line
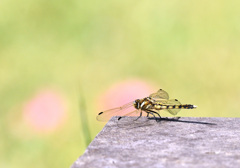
165, 106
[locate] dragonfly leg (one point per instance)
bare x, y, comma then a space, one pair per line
153, 112
139, 116
147, 115
155, 118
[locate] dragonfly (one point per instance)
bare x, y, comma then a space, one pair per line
151, 105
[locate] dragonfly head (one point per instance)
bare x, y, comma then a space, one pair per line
137, 103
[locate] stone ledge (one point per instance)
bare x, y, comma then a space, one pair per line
187, 142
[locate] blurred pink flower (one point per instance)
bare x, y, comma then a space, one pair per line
124, 92
45, 112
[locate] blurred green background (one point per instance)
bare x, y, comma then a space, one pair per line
81, 48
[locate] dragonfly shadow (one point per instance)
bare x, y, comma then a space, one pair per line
131, 122
178, 120
135, 125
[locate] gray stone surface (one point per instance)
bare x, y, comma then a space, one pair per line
188, 142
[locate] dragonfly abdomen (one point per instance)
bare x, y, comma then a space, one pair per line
183, 106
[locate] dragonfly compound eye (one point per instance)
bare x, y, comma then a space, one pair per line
137, 103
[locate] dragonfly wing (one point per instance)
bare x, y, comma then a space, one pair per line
133, 122
119, 111
132, 113
159, 95
173, 102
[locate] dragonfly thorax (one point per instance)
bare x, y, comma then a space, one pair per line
142, 104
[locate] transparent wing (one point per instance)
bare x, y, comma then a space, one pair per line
159, 95
173, 102
133, 122
126, 109
131, 113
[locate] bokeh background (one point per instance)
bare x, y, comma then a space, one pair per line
62, 62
